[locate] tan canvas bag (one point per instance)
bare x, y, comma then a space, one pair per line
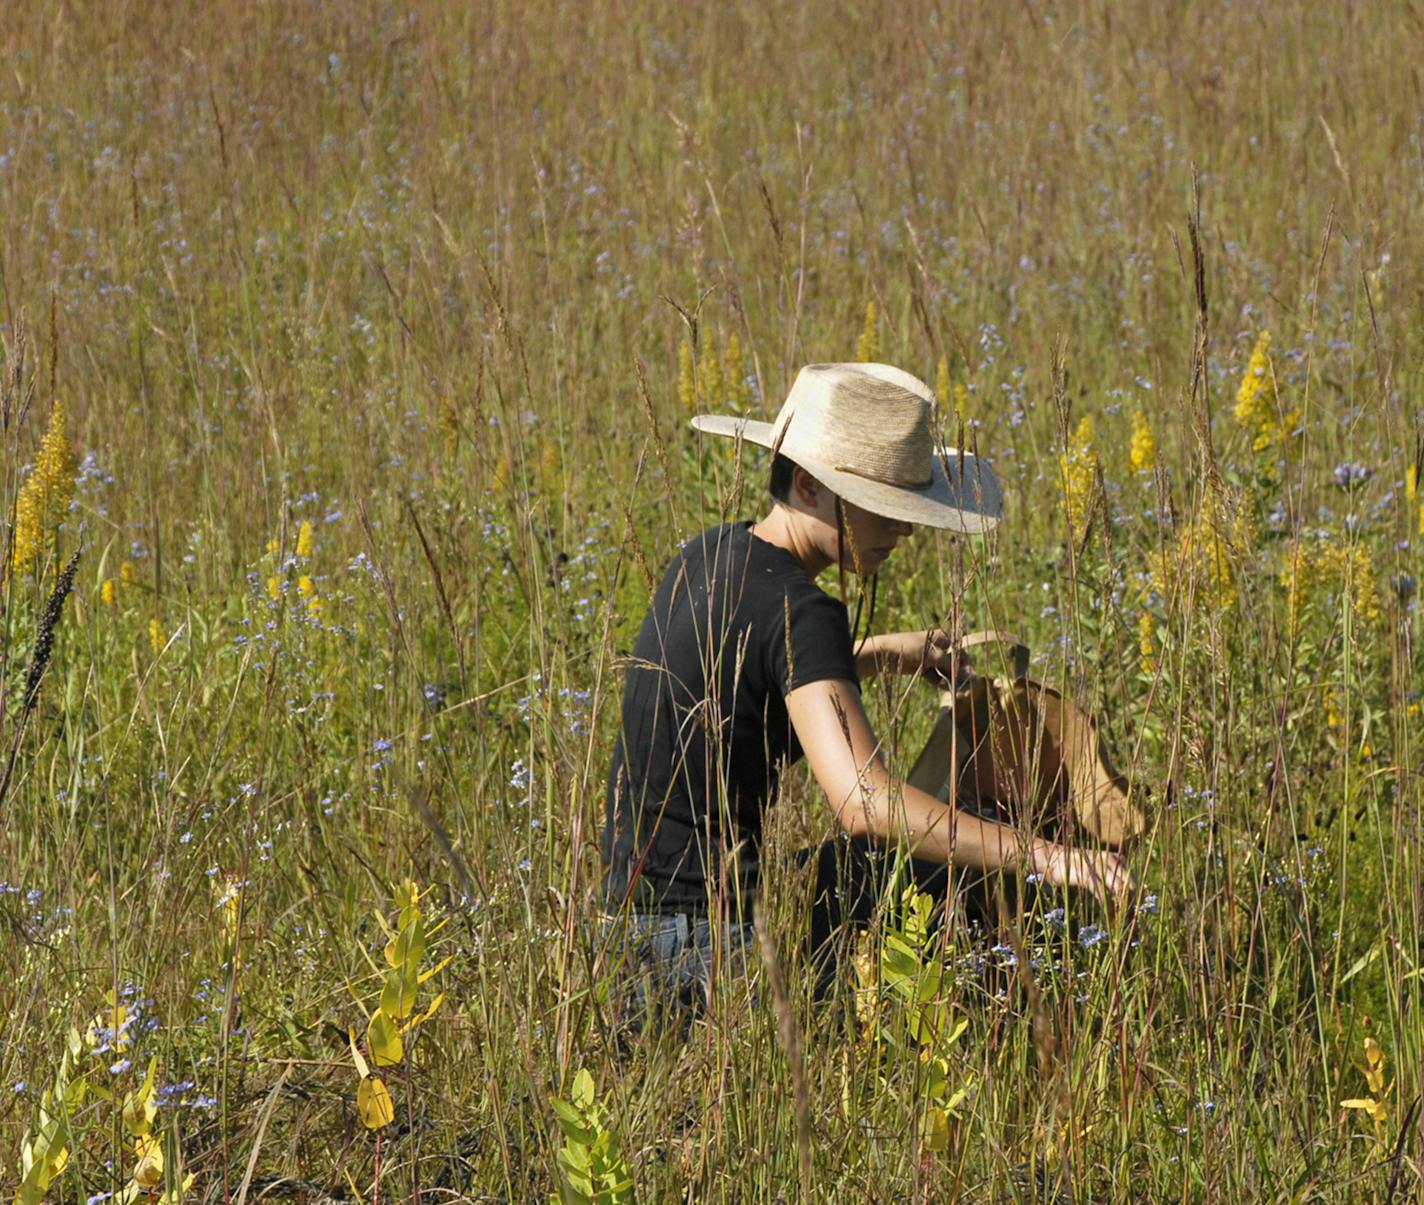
1025, 747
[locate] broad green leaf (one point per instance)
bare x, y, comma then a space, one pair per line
571, 1122
398, 993
583, 1089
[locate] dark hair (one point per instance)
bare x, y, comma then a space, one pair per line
780, 485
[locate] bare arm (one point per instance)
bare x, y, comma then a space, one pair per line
840, 746
931, 654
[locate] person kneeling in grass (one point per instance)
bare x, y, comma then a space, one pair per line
743, 665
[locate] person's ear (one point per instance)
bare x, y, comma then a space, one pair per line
805, 487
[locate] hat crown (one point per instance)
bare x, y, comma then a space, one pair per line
864, 431
872, 420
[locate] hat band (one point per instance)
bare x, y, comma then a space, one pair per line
897, 483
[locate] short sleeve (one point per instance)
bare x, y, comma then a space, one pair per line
812, 644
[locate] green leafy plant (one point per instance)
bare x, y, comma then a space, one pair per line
45, 1154
592, 1167
904, 1011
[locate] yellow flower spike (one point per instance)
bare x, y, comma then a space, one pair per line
157, 637
1078, 474
109, 593
126, 573
1411, 484
45, 495
1143, 455
550, 461
503, 473
304, 539
273, 546
1256, 397
315, 607
450, 425
1147, 642
867, 347
305, 586
274, 587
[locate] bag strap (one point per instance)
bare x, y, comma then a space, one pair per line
1015, 649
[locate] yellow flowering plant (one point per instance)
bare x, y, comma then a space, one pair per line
45, 495
1078, 478
1258, 408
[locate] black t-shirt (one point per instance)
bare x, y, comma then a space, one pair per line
735, 625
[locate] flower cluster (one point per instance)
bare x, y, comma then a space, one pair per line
1143, 454
1078, 476
45, 496
713, 380
867, 347
1322, 569
1257, 406
1206, 552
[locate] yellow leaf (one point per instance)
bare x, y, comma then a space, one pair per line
1358, 1103
174, 1195
437, 968
1373, 1054
384, 1040
428, 1013
398, 993
362, 1067
374, 1104
139, 1109
937, 1131
149, 1172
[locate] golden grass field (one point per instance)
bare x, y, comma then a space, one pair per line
351, 346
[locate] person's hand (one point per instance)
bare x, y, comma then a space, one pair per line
1101, 871
931, 655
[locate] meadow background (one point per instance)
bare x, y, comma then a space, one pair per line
372, 330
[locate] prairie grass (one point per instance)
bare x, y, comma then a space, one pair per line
375, 329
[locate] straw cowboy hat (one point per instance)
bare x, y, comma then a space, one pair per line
863, 431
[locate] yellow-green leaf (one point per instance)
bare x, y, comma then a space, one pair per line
428, 1013
374, 1104
383, 1040
398, 993
362, 1067
139, 1109
937, 1131
149, 1172
437, 968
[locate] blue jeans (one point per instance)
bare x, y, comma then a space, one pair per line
671, 959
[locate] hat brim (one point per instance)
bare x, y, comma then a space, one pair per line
963, 495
